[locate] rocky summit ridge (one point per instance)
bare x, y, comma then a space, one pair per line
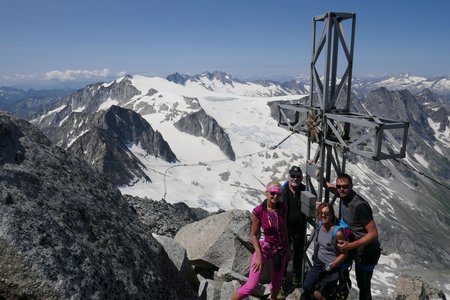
68, 234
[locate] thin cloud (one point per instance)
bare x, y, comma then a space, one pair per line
18, 77
74, 75
58, 77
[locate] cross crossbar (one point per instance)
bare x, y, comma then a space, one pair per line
376, 138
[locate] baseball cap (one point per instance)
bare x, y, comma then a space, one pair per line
296, 171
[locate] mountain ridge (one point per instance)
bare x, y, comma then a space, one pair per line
15, 100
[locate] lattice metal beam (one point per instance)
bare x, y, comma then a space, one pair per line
375, 138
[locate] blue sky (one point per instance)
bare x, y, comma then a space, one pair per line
65, 41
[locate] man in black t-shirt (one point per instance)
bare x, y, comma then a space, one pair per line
296, 221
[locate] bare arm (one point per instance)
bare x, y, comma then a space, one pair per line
329, 186
372, 235
256, 224
343, 255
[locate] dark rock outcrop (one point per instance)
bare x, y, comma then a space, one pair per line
441, 116
177, 78
201, 124
163, 218
109, 155
66, 234
179, 257
130, 127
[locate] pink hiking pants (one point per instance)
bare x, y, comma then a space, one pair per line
276, 277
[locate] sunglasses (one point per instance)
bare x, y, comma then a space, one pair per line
344, 187
325, 213
273, 194
296, 176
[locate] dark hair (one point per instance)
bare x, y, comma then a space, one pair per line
330, 207
345, 176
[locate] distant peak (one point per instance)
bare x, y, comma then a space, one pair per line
223, 77
177, 78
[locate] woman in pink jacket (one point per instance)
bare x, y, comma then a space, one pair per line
269, 238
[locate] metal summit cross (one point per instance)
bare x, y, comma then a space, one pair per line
326, 118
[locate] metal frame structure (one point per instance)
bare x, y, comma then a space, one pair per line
326, 118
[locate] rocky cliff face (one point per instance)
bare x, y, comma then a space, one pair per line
130, 127
200, 124
422, 139
109, 155
103, 140
65, 233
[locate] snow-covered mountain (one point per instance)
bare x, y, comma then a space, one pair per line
415, 84
228, 146
207, 175
225, 83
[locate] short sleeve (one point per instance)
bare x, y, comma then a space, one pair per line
364, 213
257, 212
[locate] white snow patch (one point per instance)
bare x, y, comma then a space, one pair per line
56, 110
107, 104
80, 109
138, 150
384, 277
75, 138
110, 83
421, 160
438, 149
63, 120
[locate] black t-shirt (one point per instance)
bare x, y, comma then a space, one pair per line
295, 218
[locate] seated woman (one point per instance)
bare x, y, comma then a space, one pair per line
270, 216
320, 281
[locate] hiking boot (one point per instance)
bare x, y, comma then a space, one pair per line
281, 294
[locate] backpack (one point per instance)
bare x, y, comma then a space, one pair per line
349, 236
348, 233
